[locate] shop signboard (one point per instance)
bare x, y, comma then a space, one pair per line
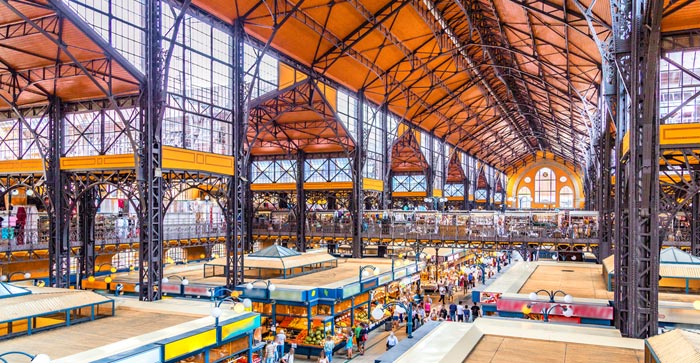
490, 297
179, 347
385, 279
197, 290
239, 327
412, 269
602, 312
351, 290
256, 293
369, 284
287, 295
415, 278
399, 273
170, 289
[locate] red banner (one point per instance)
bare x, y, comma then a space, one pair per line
197, 290
579, 310
171, 289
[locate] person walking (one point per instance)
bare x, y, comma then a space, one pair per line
279, 339
460, 311
328, 347
348, 343
391, 341
476, 311
453, 312
442, 292
270, 352
363, 338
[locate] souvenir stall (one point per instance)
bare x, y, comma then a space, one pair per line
481, 224
582, 224
517, 223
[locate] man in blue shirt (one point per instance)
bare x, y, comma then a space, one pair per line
453, 312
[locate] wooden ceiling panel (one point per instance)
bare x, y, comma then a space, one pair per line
343, 17
681, 17
7, 16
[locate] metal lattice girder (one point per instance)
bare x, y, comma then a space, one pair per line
100, 68
637, 31
61, 203
695, 219
87, 210
272, 121
358, 162
239, 184
149, 172
301, 202
392, 83
49, 23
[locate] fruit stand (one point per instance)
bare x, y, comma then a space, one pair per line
328, 302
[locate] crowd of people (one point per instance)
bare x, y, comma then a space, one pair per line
447, 307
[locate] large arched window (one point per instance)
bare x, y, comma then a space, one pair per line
545, 186
524, 198
566, 197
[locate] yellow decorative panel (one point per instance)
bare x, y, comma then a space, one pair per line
21, 166
408, 194
188, 345
678, 134
455, 198
372, 184
437, 193
98, 162
182, 159
327, 185
263, 187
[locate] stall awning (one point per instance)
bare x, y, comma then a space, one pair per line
675, 255
8, 290
47, 300
264, 259
678, 345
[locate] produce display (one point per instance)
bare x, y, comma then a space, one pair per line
361, 316
342, 321
290, 322
313, 337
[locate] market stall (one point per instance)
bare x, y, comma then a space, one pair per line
311, 307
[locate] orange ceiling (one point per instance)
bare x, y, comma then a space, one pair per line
298, 117
43, 69
406, 156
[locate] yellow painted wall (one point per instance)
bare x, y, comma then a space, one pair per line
516, 180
